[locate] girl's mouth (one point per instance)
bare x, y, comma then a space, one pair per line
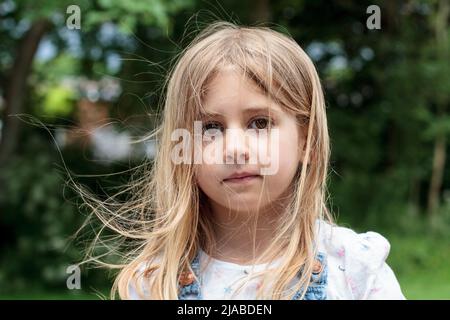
243, 179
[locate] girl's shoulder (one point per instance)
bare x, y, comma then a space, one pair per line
370, 248
357, 263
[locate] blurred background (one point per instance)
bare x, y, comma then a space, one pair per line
79, 83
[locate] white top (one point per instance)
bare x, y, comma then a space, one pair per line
356, 263
220, 279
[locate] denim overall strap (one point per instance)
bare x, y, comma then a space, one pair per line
317, 289
194, 287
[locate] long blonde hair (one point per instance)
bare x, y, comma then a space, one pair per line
165, 217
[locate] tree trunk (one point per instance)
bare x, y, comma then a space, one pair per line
440, 26
16, 90
437, 173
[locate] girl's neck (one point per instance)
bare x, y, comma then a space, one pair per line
241, 237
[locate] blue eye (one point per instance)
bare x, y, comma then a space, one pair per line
261, 123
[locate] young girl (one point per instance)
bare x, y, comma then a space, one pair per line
236, 228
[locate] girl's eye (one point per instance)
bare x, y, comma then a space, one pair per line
261, 123
212, 128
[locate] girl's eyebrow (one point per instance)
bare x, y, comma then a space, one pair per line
248, 110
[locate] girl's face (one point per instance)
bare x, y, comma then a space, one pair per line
234, 104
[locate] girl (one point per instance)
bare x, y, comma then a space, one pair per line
236, 228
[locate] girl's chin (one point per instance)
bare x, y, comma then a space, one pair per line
243, 205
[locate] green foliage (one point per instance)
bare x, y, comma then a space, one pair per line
420, 261
35, 217
37, 222
58, 101
55, 98
94, 13
129, 14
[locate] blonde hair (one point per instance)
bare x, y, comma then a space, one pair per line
164, 216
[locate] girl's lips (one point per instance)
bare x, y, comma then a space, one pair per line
244, 179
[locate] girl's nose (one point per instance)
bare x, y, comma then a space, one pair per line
236, 146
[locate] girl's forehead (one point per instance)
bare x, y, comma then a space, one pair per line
231, 89
233, 77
